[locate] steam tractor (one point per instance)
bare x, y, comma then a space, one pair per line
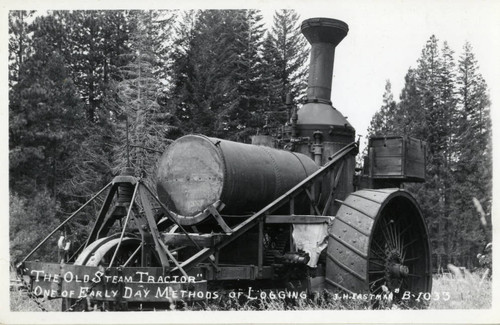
289, 213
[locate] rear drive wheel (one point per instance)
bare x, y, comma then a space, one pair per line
378, 244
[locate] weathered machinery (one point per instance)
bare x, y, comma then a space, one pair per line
288, 214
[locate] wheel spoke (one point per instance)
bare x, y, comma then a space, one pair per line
177, 249
414, 275
388, 235
406, 229
375, 281
400, 284
379, 288
376, 272
412, 259
400, 241
387, 241
410, 243
394, 237
378, 246
131, 256
382, 257
406, 284
373, 262
404, 254
396, 245
407, 245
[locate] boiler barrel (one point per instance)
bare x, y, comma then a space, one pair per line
196, 171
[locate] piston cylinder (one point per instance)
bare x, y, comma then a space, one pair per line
196, 171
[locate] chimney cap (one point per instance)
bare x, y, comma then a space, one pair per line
324, 30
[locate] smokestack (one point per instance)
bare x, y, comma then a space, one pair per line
317, 119
321, 130
324, 34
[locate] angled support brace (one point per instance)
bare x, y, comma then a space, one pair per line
180, 227
63, 223
148, 211
100, 218
333, 186
312, 201
213, 211
173, 259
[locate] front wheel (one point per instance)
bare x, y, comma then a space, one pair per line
100, 253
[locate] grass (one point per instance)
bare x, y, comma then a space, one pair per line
466, 292
469, 291
19, 301
324, 301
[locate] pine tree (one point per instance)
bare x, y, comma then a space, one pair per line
383, 122
19, 42
427, 83
147, 126
63, 31
91, 50
44, 113
446, 117
411, 116
473, 168
205, 82
271, 81
214, 71
181, 69
248, 73
291, 50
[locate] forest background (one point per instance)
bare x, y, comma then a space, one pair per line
77, 77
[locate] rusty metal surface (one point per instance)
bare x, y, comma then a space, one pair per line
197, 171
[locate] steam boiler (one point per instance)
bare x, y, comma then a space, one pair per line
291, 212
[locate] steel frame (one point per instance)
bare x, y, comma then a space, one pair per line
208, 246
